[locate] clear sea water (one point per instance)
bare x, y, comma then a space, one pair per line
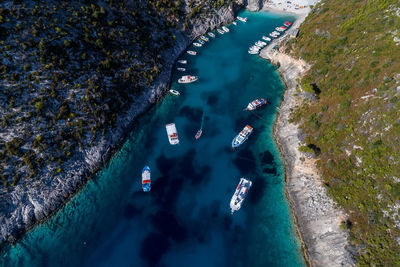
185, 220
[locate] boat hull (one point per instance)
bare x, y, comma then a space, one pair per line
172, 133
240, 194
146, 180
242, 136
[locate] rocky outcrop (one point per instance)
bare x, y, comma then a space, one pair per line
25, 206
318, 217
253, 5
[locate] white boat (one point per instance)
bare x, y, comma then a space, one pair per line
260, 44
197, 44
200, 41
211, 34
225, 28
182, 61
253, 52
181, 69
240, 194
174, 92
146, 181
172, 133
242, 19
187, 79
220, 31
193, 53
279, 29
234, 23
265, 38
256, 104
276, 33
242, 136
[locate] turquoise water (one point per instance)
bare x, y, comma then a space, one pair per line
185, 220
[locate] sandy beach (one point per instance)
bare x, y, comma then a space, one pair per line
292, 6
318, 217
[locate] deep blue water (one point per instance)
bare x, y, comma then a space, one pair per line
185, 220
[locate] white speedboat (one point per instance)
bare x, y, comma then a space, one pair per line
172, 134
211, 34
182, 61
174, 92
253, 52
190, 52
225, 28
234, 23
220, 31
188, 79
181, 69
240, 194
197, 44
242, 19
265, 38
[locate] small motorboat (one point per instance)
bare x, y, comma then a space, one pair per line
197, 44
204, 38
146, 182
256, 104
211, 34
190, 52
181, 69
242, 19
200, 131
200, 41
225, 29
234, 23
174, 92
187, 79
220, 31
287, 23
182, 61
265, 38
253, 51
198, 134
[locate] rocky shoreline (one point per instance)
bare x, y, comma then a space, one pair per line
317, 216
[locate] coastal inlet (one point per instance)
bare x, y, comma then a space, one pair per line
185, 219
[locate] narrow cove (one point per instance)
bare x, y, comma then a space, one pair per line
185, 220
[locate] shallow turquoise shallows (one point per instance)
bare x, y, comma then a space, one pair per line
185, 220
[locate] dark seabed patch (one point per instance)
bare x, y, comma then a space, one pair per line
257, 190
212, 100
169, 226
192, 114
153, 247
131, 211
245, 161
271, 170
267, 157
